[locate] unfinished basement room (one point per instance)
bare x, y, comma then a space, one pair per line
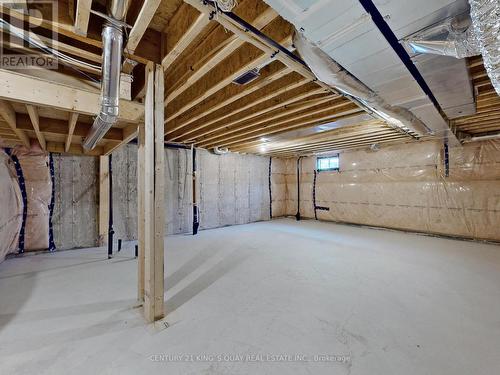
236, 187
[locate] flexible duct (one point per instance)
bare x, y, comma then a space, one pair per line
462, 37
330, 72
451, 37
112, 47
220, 150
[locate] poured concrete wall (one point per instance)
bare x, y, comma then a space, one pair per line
232, 189
405, 187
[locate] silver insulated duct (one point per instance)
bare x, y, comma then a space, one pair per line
330, 72
464, 36
112, 47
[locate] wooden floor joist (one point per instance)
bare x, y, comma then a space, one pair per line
222, 100
9, 115
35, 120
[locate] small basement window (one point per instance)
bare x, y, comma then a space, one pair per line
330, 163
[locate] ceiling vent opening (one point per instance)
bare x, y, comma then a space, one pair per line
247, 77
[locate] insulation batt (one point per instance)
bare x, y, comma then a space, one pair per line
403, 187
35, 166
11, 214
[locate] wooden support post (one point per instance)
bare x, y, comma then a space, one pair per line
103, 199
151, 197
141, 222
159, 194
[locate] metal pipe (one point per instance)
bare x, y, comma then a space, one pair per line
297, 215
112, 39
112, 49
110, 222
118, 9
196, 216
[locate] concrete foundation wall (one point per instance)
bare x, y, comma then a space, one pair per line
232, 189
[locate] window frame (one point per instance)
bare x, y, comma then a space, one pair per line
318, 158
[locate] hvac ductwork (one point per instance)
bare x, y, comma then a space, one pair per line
464, 36
330, 72
112, 47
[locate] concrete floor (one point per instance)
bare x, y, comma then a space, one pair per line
391, 303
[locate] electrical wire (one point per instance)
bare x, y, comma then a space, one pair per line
65, 59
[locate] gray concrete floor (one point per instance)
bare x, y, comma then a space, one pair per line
239, 297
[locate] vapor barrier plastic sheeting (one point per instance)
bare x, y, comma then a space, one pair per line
406, 187
11, 214
35, 167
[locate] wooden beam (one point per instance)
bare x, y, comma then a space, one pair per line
73, 118
9, 115
35, 121
193, 31
129, 133
36, 91
82, 16
103, 199
142, 22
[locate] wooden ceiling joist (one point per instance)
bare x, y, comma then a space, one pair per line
141, 24
332, 147
258, 117
308, 110
73, 118
201, 21
291, 93
82, 16
301, 123
49, 126
9, 115
35, 121
220, 101
233, 43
